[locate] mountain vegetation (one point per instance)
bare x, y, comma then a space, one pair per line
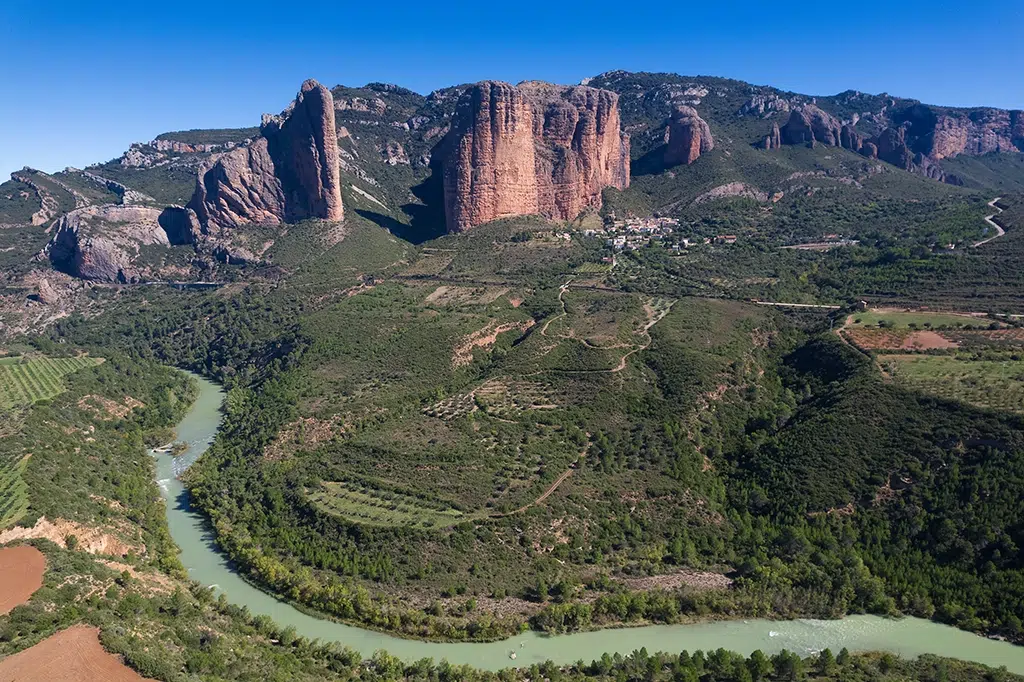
747, 378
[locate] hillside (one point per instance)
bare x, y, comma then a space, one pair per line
455, 430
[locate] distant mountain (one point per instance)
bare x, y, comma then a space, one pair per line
690, 140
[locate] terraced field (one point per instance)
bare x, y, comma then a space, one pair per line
996, 385
366, 505
13, 492
23, 381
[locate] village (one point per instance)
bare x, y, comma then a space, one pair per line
635, 233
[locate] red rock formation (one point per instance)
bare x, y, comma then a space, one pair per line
688, 137
535, 148
288, 174
809, 124
891, 147
774, 139
850, 138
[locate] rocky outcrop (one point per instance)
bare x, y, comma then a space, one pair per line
764, 105
289, 173
393, 154
945, 133
535, 148
773, 140
102, 243
127, 195
177, 147
850, 138
688, 137
809, 125
49, 206
733, 189
891, 147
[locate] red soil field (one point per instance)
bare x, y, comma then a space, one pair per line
21, 574
72, 655
898, 339
926, 340
877, 339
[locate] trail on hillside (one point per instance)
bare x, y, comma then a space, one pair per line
550, 489
561, 301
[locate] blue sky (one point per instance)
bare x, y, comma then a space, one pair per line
81, 80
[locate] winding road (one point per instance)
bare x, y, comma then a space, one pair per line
988, 219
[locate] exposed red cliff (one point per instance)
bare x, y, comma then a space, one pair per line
534, 148
689, 136
288, 174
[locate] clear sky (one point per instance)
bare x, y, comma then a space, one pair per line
81, 79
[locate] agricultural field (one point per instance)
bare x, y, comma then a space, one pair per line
363, 504
21, 574
900, 319
13, 491
899, 340
594, 268
25, 380
997, 385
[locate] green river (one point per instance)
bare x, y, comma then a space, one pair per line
200, 555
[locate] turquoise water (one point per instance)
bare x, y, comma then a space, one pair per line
907, 636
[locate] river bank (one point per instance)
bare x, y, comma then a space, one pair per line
205, 564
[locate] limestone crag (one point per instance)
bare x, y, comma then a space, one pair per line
535, 148
127, 195
689, 136
289, 173
764, 105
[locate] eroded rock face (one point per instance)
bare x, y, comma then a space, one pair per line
288, 174
688, 137
533, 148
774, 139
101, 243
763, 105
891, 147
942, 134
809, 124
850, 138
49, 207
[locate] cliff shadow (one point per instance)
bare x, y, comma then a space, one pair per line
651, 163
426, 217
405, 231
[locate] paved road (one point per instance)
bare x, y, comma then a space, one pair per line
988, 219
816, 306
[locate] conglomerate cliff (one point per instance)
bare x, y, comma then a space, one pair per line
532, 148
288, 174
